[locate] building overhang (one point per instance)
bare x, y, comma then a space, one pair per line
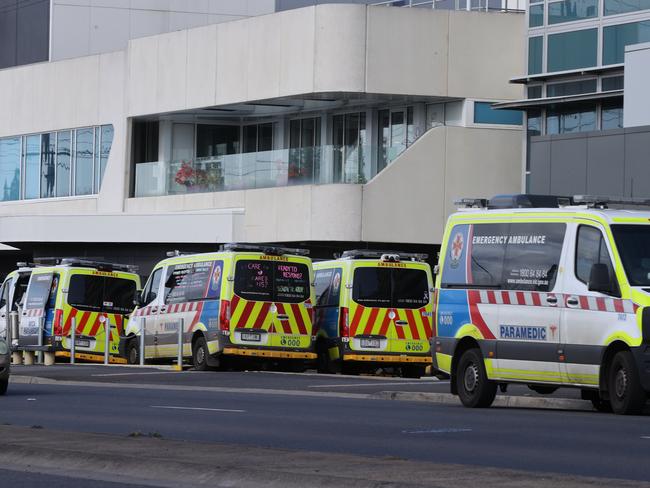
543, 102
569, 73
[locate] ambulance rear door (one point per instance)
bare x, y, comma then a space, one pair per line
38, 313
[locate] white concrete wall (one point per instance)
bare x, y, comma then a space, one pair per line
411, 199
83, 27
636, 103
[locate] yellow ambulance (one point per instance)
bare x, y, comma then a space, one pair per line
247, 301
94, 295
374, 308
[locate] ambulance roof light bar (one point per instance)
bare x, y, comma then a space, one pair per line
385, 256
85, 263
269, 249
602, 202
465, 203
176, 253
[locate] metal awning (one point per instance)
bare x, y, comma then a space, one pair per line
574, 72
537, 102
5, 247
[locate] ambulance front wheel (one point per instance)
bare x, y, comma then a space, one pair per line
133, 352
474, 388
625, 393
200, 354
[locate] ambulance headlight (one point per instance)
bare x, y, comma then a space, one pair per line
4, 348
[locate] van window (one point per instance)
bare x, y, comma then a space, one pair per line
272, 281
633, 243
150, 291
19, 290
4, 291
390, 287
590, 249
40, 290
533, 256
190, 282
328, 287
101, 293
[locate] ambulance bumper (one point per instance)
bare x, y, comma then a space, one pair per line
269, 353
396, 358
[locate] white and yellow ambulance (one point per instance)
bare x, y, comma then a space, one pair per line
374, 308
246, 300
548, 292
12, 292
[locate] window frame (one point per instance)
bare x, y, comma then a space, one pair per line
575, 252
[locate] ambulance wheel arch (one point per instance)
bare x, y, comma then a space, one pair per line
464, 344
608, 357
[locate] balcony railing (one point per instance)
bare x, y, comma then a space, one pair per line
484, 5
280, 167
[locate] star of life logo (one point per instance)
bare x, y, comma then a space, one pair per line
456, 251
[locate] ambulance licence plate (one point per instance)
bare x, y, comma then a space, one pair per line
251, 336
372, 343
82, 343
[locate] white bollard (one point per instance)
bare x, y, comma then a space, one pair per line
107, 339
142, 333
28, 358
49, 359
73, 339
41, 330
179, 359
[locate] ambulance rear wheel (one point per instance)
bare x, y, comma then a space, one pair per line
474, 388
133, 352
200, 354
4, 384
625, 393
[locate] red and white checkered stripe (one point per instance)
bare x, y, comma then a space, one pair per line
34, 312
182, 307
538, 299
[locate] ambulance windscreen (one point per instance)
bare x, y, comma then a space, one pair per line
633, 243
271, 281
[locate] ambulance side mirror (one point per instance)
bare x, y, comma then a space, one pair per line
436, 269
600, 280
138, 300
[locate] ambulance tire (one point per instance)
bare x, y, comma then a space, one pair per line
625, 393
4, 384
133, 352
474, 388
200, 354
412, 371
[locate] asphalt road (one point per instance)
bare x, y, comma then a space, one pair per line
581, 443
309, 381
23, 479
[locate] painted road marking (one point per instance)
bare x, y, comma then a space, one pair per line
133, 374
645, 437
170, 407
450, 430
350, 385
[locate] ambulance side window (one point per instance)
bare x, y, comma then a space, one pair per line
328, 287
590, 249
4, 292
151, 290
189, 282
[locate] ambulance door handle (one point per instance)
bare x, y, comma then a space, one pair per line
401, 322
551, 300
163, 309
573, 302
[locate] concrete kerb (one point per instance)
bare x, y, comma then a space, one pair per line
433, 398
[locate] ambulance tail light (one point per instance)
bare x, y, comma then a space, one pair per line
224, 315
344, 327
58, 322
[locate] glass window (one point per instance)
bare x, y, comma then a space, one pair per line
611, 115
10, 169
390, 287
32, 167
48, 167
272, 281
569, 10
104, 151
83, 172
150, 291
145, 141
616, 37
101, 293
535, 54
534, 122
304, 150
488, 249
63, 160
250, 138
38, 292
188, 282
383, 117
216, 140
328, 287
613, 7
612, 83
118, 295
485, 114
410, 288
571, 88
633, 244
572, 50
536, 15
534, 91
591, 249
570, 118
533, 256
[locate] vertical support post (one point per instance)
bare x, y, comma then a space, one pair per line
73, 339
8, 327
107, 339
179, 359
142, 333
41, 330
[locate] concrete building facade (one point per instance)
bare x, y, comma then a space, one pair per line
331, 126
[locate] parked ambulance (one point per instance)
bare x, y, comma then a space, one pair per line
548, 292
243, 301
12, 292
374, 309
91, 294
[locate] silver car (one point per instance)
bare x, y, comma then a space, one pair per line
5, 366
